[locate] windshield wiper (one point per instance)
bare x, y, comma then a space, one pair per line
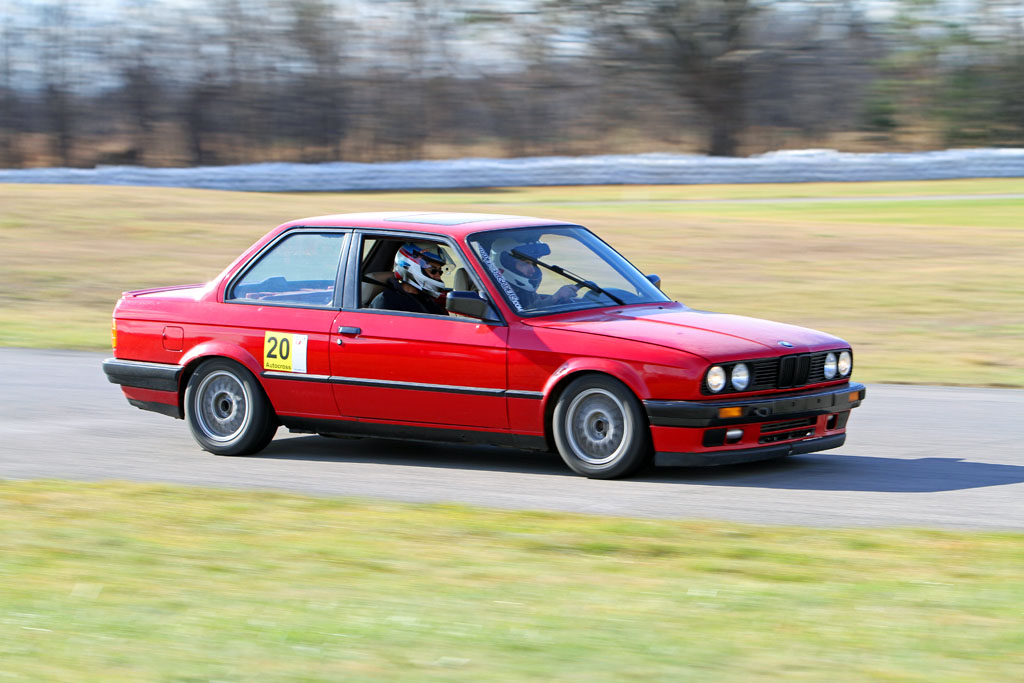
568, 275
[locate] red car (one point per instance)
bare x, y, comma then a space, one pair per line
474, 328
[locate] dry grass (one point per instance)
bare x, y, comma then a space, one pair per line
927, 290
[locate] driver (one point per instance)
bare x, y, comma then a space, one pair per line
416, 283
524, 276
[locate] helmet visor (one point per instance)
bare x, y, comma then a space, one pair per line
531, 250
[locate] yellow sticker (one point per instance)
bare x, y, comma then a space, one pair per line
284, 351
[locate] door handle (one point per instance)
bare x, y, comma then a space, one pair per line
349, 330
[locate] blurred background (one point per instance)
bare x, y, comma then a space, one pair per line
190, 82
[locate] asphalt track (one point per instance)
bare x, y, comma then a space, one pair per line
946, 457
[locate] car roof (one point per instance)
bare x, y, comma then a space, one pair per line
438, 222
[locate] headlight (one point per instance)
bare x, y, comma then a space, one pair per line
740, 377
830, 366
845, 363
716, 379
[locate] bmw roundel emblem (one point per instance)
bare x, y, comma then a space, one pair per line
786, 344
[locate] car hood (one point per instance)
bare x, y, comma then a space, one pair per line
713, 336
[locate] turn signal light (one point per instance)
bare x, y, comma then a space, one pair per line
113, 334
724, 413
854, 395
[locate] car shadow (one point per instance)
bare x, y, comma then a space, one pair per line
812, 472
828, 472
420, 454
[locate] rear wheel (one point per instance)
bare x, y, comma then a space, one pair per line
226, 409
599, 428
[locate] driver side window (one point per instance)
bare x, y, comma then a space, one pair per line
379, 271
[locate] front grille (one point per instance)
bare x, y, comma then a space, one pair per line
763, 374
784, 372
793, 370
817, 372
787, 436
787, 426
785, 431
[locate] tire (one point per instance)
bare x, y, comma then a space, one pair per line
600, 428
226, 409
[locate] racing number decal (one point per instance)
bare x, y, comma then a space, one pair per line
284, 351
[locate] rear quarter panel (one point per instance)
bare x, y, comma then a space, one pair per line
234, 331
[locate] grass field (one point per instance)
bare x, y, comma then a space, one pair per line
124, 582
928, 289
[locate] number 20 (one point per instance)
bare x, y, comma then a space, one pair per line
279, 348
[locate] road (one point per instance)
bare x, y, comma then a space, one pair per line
944, 457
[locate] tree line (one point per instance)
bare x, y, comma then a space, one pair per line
240, 81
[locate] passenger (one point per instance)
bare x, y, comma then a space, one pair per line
523, 275
416, 283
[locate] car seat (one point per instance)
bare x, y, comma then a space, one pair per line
372, 285
463, 282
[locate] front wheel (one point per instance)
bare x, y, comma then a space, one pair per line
227, 411
599, 428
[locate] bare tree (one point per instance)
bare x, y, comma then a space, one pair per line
133, 57
734, 64
8, 98
811, 74
708, 46
318, 34
198, 102
199, 90
702, 47
57, 41
252, 80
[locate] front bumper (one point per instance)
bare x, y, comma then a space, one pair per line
732, 457
734, 430
755, 408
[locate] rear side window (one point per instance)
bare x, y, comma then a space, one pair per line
300, 270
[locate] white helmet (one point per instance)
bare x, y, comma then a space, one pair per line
412, 260
502, 257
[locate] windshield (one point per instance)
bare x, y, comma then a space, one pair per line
552, 270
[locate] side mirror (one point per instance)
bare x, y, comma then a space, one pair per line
470, 304
655, 280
